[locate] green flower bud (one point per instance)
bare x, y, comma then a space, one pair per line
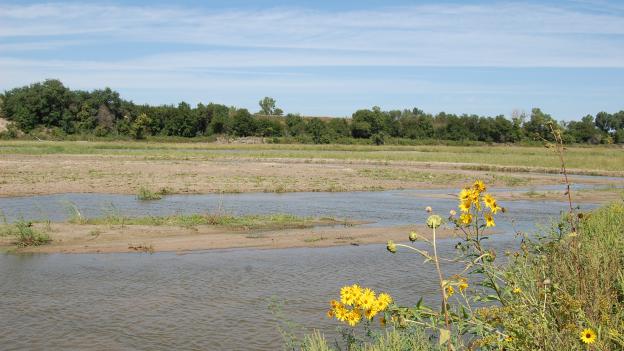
434, 221
391, 246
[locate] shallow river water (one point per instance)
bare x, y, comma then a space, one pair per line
213, 300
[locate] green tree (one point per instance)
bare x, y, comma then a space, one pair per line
318, 130
141, 126
538, 125
243, 124
267, 107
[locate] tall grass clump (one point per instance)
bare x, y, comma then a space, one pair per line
145, 194
28, 236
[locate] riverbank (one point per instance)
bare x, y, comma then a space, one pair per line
23, 175
106, 238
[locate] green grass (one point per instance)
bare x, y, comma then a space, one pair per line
273, 221
595, 159
145, 194
24, 233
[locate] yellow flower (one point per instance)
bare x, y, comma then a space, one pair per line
588, 336
465, 194
479, 186
356, 291
331, 314
341, 313
489, 220
383, 301
489, 201
466, 218
464, 205
449, 291
495, 209
463, 286
369, 314
367, 299
349, 295
516, 290
353, 317
346, 296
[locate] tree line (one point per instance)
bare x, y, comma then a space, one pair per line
52, 107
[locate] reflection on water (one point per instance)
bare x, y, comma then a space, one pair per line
214, 299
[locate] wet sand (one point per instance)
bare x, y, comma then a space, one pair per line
77, 238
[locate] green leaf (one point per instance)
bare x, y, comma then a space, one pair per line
445, 336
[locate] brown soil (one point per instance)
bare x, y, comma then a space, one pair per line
76, 238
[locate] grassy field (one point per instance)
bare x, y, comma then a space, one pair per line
595, 158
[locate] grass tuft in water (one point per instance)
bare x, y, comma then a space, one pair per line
145, 194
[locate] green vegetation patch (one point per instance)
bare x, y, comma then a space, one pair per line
224, 220
25, 234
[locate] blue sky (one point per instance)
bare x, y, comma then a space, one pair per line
327, 57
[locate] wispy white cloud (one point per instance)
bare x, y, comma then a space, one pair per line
251, 51
450, 35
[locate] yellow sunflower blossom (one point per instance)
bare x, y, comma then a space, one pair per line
383, 301
449, 291
367, 299
479, 186
466, 218
465, 205
370, 313
588, 336
349, 295
516, 290
341, 313
489, 220
465, 194
353, 317
346, 296
463, 286
489, 201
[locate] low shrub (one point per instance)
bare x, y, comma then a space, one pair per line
28, 236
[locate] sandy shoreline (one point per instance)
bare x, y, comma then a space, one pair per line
76, 238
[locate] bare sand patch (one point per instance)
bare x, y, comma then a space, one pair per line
76, 238
22, 175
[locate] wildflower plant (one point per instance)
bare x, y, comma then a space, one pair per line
562, 290
455, 325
